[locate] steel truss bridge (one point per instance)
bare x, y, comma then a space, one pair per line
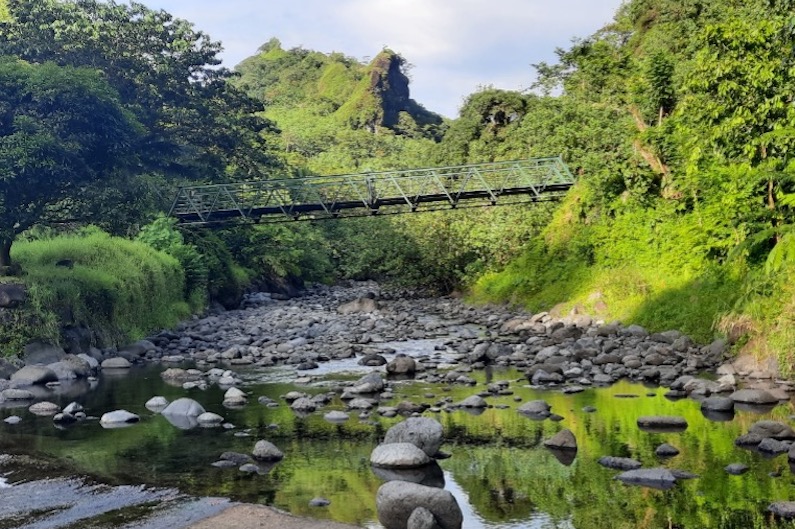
363, 194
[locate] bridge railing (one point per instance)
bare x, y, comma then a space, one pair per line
370, 193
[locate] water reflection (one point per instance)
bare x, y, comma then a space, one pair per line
500, 473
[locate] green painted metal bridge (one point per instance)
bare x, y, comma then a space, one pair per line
388, 192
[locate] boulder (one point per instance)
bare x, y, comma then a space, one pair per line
736, 469
12, 295
772, 429
33, 375
156, 404
267, 451
397, 500
424, 433
370, 383
42, 353
137, 349
117, 362
421, 518
665, 423
44, 409
209, 419
724, 404
398, 455
17, 394
783, 509
372, 360
336, 416
563, 440
753, 396
304, 405
184, 407
657, 478
118, 418
475, 401
666, 450
402, 365
535, 409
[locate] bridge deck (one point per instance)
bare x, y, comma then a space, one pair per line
390, 192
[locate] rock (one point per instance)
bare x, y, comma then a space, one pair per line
156, 404
657, 478
118, 418
336, 416
475, 401
421, 518
267, 451
236, 457
723, 404
773, 429
13, 419
753, 396
371, 383
736, 469
398, 455
183, 407
372, 360
17, 394
12, 295
619, 463
73, 408
402, 365
773, 446
116, 362
304, 405
44, 409
361, 404
666, 450
64, 419
319, 502
397, 500
563, 440
33, 375
664, 423
426, 434
42, 353
137, 349
535, 409
209, 419
784, 509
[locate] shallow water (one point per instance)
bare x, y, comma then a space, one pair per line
499, 472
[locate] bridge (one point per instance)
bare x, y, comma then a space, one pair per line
386, 192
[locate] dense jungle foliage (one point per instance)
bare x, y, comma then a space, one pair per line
677, 119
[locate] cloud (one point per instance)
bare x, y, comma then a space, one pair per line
454, 45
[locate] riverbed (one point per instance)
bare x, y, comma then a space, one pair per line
499, 471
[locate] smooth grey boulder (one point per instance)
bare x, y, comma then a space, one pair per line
398, 455
662, 423
430, 475
424, 433
363, 304
666, 450
118, 419
184, 407
62, 370
619, 463
657, 478
267, 451
753, 396
137, 349
17, 394
563, 440
535, 409
117, 362
772, 429
44, 408
33, 375
397, 500
303, 404
736, 469
156, 404
717, 404
773, 446
475, 401
209, 418
73, 407
12, 295
336, 416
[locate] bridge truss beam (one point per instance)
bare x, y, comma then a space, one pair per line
387, 192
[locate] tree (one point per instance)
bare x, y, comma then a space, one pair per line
164, 71
62, 130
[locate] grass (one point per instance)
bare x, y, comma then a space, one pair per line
121, 289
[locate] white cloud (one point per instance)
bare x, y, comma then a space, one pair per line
454, 45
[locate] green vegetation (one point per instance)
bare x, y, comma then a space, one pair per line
119, 288
675, 118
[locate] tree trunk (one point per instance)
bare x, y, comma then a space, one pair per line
5, 251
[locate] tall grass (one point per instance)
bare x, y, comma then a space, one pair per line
119, 288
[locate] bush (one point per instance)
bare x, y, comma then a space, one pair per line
121, 289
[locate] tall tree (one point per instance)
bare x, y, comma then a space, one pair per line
62, 130
164, 70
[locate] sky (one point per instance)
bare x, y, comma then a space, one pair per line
455, 47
